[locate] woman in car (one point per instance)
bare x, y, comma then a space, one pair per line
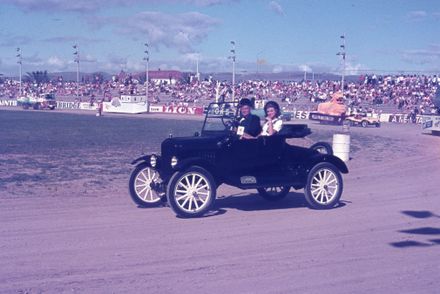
273, 122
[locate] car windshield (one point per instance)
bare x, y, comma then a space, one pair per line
219, 116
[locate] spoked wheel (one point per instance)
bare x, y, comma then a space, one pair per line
323, 148
191, 193
140, 186
324, 186
364, 124
274, 193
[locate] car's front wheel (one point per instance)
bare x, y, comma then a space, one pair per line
364, 124
141, 184
192, 192
324, 186
274, 193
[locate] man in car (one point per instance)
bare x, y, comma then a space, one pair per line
248, 124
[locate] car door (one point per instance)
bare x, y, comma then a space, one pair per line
238, 156
270, 149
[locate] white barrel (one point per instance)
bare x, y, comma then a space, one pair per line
341, 146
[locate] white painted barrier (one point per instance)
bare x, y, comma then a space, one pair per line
341, 146
132, 108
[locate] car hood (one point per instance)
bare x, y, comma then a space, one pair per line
173, 145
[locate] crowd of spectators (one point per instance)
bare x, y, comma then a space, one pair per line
403, 93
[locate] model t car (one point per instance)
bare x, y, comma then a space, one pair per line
189, 170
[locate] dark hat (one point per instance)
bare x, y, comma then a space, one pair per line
274, 105
245, 102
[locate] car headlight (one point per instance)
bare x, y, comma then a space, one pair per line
153, 160
174, 161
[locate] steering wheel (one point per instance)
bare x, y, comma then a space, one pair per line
230, 122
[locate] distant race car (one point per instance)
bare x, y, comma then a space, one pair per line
362, 120
43, 101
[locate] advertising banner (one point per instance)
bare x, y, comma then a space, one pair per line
156, 108
11, 103
182, 110
403, 118
132, 108
67, 105
301, 114
431, 123
87, 106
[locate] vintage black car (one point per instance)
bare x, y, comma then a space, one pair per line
189, 170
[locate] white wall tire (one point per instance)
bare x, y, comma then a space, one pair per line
192, 192
140, 186
324, 186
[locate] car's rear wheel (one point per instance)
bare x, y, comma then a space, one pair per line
274, 193
324, 186
192, 192
364, 124
322, 147
377, 125
140, 185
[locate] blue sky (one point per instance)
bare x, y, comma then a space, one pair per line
290, 35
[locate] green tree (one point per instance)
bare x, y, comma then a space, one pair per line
38, 76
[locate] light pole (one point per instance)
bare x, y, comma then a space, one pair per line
233, 69
197, 67
343, 54
20, 64
147, 59
76, 60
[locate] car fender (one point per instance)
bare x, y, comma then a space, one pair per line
143, 158
191, 161
336, 161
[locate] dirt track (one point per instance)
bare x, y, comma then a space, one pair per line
68, 225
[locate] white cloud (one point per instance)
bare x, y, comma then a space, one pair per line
417, 15
84, 6
180, 31
277, 69
429, 55
353, 68
72, 39
276, 7
56, 62
192, 57
88, 58
305, 67
9, 40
